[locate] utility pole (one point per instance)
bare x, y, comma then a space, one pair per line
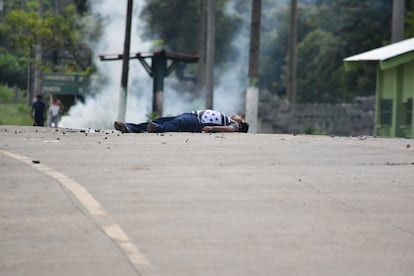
38, 58
252, 93
291, 82
158, 69
125, 64
211, 18
30, 66
57, 6
398, 18
201, 48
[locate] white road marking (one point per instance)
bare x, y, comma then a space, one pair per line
95, 209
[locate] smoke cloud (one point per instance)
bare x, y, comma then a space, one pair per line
100, 109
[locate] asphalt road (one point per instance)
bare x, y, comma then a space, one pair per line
103, 203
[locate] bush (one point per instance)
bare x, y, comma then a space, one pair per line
6, 94
310, 130
13, 112
13, 70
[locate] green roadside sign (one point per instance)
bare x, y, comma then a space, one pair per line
60, 83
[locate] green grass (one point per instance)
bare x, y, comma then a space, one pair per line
310, 130
13, 112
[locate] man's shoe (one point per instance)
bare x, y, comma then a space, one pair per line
121, 127
152, 127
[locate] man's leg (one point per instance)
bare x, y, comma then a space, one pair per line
186, 122
121, 127
139, 128
54, 121
136, 128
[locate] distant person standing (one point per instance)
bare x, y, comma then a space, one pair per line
38, 111
55, 108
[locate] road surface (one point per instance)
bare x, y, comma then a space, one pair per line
103, 203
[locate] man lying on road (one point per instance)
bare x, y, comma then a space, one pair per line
196, 121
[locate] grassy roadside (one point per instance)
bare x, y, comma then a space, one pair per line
15, 114
12, 111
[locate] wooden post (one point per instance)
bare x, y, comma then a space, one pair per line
201, 49
125, 64
398, 18
211, 15
252, 93
291, 82
38, 57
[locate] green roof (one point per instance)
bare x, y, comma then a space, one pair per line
387, 56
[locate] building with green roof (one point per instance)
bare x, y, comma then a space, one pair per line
395, 87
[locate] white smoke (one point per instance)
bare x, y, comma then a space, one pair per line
230, 89
100, 110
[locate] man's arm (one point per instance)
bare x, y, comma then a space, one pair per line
219, 129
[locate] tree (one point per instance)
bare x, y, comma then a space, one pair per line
354, 26
409, 19
13, 70
56, 32
326, 35
47, 34
274, 44
317, 53
180, 36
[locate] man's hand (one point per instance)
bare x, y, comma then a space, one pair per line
209, 129
219, 129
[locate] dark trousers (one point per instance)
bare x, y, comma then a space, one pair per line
186, 122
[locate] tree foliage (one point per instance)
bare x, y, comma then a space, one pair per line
176, 24
327, 32
54, 31
58, 30
409, 19
340, 28
12, 70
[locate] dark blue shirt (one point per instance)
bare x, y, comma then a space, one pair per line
39, 111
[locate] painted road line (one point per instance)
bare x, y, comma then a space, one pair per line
100, 217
